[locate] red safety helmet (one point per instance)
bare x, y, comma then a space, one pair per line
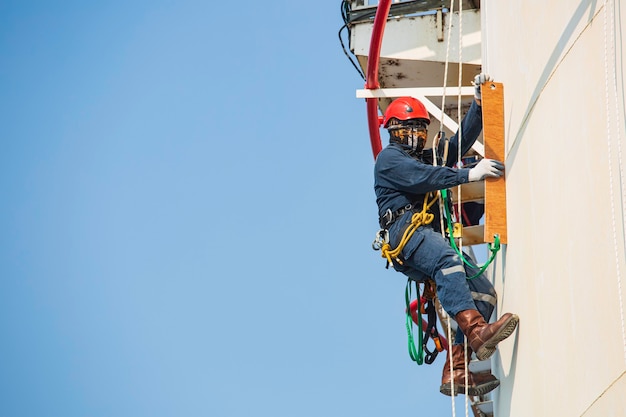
405, 108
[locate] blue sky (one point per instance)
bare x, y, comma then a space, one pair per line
187, 217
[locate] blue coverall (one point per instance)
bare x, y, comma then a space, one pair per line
399, 180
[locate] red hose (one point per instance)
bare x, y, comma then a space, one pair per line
372, 74
372, 107
413, 310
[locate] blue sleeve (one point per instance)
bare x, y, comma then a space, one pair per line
471, 126
396, 170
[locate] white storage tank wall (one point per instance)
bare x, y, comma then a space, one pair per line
564, 271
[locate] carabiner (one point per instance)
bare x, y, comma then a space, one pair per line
382, 237
430, 357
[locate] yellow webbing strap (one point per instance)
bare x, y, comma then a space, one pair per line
419, 219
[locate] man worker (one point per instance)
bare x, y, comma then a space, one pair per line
403, 177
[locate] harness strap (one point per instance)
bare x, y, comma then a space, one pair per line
425, 305
418, 219
416, 354
431, 331
390, 217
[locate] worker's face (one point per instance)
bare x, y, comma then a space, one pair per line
413, 133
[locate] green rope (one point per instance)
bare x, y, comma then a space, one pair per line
493, 249
417, 355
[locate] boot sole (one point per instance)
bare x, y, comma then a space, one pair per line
484, 388
487, 349
478, 390
446, 389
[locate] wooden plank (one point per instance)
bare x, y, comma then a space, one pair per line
493, 135
470, 191
473, 235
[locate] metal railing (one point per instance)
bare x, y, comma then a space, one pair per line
366, 9
365, 3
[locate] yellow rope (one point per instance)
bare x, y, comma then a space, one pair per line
418, 219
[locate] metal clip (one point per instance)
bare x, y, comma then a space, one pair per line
387, 218
382, 237
457, 230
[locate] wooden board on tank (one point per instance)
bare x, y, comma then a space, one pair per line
493, 135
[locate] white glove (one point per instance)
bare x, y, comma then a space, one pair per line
478, 81
486, 168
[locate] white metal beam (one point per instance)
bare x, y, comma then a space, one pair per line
421, 93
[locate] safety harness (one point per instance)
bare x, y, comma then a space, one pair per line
421, 218
426, 301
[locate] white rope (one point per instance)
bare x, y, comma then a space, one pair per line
459, 114
465, 353
620, 166
443, 105
443, 102
445, 67
450, 344
458, 98
621, 170
611, 18
459, 164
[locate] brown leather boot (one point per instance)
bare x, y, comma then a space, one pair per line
484, 382
483, 337
478, 384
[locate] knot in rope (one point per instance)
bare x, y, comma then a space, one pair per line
418, 219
